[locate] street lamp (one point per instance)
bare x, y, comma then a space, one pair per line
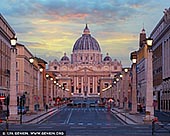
149, 41
41, 70
13, 114
125, 87
149, 83
31, 60
13, 41
47, 78
126, 70
31, 104
133, 58
51, 91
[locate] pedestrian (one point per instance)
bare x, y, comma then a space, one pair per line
46, 107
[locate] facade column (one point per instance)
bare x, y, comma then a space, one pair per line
75, 86
93, 85
82, 84
88, 85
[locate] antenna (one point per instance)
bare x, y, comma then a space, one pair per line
143, 25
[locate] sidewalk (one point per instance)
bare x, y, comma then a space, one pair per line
128, 118
39, 116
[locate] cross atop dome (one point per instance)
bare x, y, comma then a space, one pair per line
86, 30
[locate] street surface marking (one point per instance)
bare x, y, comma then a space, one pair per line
77, 127
67, 120
71, 123
80, 123
108, 127
44, 127
89, 124
107, 124
99, 124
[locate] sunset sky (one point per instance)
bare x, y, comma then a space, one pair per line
49, 28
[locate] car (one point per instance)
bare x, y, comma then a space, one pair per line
21, 110
75, 104
92, 105
69, 104
83, 104
79, 105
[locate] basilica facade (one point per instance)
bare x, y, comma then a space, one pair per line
86, 73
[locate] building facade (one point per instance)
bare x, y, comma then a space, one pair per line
6, 33
161, 62
86, 74
30, 79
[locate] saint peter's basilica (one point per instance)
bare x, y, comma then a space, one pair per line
86, 73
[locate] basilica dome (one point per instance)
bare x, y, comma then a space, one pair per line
107, 58
86, 42
65, 58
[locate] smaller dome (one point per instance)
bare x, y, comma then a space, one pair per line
65, 58
107, 58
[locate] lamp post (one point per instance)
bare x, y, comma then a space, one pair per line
149, 83
51, 91
126, 88
31, 104
47, 78
13, 113
21, 105
134, 94
41, 93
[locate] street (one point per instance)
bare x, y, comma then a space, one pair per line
85, 122
85, 118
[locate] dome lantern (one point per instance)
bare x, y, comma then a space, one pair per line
86, 30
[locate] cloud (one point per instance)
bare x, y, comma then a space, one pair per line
53, 26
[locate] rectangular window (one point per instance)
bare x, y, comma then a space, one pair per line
72, 89
16, 64
91, 90
79, 90
98, 89
16, 76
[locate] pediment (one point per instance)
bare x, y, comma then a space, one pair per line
85, 69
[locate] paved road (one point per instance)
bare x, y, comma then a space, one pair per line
86, 122
163, 116
84, 117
